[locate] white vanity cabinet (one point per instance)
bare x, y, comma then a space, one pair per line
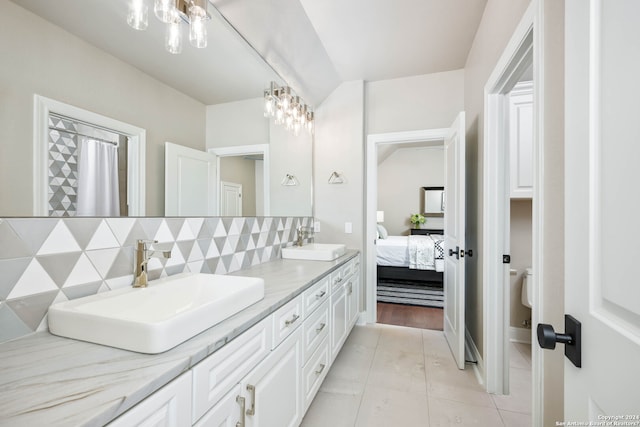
170, 407
268, 375
521, 140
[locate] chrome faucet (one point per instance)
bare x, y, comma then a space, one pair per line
302, 232
143, 255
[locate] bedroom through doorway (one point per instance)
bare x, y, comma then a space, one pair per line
409, 255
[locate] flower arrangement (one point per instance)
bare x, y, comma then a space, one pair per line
417, 220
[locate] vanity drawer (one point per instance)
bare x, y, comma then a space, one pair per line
336, 279
225, 413
286, 320
218, 373
316, 329
314, 372
347, 270
170, 406
315, 296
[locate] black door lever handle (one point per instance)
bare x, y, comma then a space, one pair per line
572, 339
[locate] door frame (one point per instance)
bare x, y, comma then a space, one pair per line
525, 47
241, 150
136, 149
371, 202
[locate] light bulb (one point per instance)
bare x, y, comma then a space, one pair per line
173, 37
197, 27
164, 10
279, 116
138, 16
296, 128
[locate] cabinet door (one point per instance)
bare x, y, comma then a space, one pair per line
170, 406
338, 320
273, 390
521, 140
226, 413
353, 298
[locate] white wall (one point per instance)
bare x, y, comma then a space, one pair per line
427, 101
237, 123
239, 170
521, 257
40, 58
499, 20
339, 146
290, 154
243, 123
401, 177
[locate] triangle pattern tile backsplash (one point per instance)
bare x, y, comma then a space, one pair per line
45, 261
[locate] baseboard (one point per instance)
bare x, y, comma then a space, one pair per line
522, 335
472, 353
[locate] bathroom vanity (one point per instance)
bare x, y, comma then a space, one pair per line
260, 367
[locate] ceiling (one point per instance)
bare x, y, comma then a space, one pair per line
314, 45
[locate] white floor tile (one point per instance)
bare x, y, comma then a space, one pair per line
519, 399
515, 419
385, 407
350, 370
332, 409
398, 370
516, 359
408, 340
443, 413
366, 336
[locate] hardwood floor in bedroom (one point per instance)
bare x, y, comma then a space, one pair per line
411, 316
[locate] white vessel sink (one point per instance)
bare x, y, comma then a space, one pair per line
159, 317
315, 251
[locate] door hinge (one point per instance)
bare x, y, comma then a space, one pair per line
506, 259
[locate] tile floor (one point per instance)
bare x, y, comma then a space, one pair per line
397, 376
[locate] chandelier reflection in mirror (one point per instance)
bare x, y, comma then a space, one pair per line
287, 109
173, 13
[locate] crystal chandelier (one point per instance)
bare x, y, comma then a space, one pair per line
287, 109
173, 13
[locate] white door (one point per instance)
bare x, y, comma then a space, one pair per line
454, 230
189, 182
230, 199
601, 207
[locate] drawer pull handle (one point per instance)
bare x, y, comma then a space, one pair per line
321, 294
321, 327
292, 321
338, 280
252, 390
241, 401
319, 371
350, 285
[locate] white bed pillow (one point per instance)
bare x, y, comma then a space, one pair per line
382, 232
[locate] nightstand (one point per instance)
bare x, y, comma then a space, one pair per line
426, 231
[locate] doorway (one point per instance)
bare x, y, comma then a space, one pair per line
404, 171
522, 53
453, 261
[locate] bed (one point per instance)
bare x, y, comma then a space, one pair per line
398, 259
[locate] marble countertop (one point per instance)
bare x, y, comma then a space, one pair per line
55, 381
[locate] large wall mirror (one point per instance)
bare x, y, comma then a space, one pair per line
74, 70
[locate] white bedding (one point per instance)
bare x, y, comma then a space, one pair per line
394, 252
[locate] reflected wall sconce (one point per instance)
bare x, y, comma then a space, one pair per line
336, 178
285, 108
173, 13
289, 180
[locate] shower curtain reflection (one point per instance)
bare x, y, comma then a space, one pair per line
98, 188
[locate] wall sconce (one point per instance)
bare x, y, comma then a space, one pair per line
379, 216
289, 180
287, 109
173, 13
336, 178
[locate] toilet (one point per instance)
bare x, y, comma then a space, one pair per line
526, 296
